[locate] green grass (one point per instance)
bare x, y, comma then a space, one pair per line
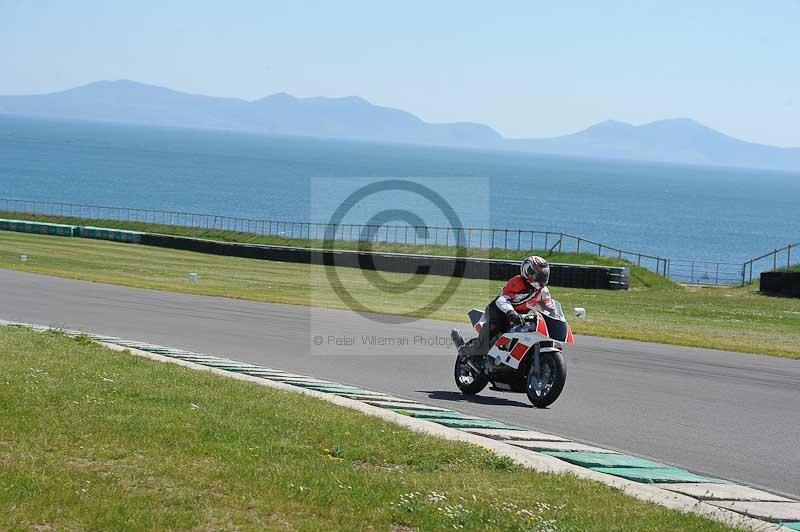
638, 276
94, 439
738, 319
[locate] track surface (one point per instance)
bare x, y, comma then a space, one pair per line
729, 415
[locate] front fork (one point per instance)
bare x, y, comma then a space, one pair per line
537, 361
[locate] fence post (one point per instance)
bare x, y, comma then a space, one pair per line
492, 239
505, 242
519, 236
579, 246
546, 238
775, 260
788, 256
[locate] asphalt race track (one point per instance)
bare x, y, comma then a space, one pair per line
729, 415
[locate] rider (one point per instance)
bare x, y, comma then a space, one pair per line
519, 295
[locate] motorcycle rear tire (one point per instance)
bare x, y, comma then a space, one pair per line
552, 362
478, 383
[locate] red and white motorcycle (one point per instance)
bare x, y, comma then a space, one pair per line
528, 358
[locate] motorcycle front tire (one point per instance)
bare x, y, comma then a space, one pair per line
553, 367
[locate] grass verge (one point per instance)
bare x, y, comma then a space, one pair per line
639, 277
736, 319
97, 439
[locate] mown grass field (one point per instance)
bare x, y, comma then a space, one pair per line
94, 439
738, 318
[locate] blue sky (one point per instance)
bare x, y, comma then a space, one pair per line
527, 68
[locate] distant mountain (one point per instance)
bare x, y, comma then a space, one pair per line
678, 140
345, 118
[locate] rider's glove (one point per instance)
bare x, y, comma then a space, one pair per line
513, 318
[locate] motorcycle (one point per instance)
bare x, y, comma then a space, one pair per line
526, 359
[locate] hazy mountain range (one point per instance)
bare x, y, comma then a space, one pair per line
678, 140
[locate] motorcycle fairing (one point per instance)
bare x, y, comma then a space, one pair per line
476, 318
511, 347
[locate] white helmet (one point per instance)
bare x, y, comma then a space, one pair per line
535, 271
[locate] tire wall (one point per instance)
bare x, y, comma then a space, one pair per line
564, 275
781, 283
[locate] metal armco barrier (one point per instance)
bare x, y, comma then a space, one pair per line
564, 275
781, 283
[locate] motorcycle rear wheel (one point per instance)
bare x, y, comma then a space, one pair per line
544, 389
467, 380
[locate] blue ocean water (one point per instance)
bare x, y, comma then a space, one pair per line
666, 210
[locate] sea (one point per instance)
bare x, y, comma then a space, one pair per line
668, 210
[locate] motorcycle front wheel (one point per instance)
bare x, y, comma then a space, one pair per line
468, 380
543, 389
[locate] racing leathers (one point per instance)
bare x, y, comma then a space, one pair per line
515, 298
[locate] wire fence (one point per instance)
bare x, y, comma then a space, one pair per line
683, 270
704, 272
775, 259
